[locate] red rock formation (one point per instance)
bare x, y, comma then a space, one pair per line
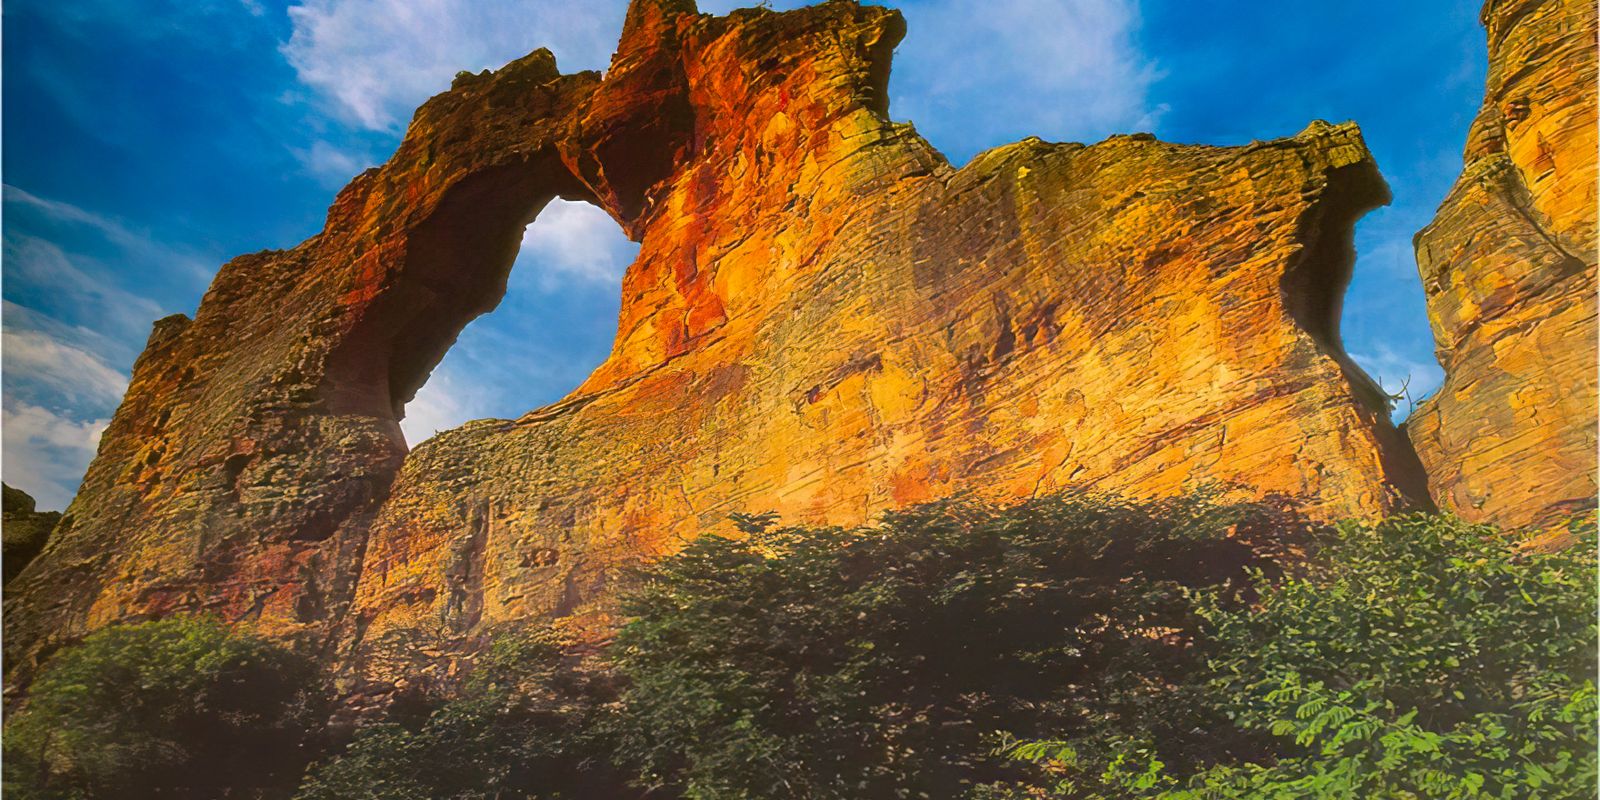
1509, 267
826, 319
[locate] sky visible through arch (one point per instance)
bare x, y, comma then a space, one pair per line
147, 141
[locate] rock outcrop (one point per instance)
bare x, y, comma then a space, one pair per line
1509, 268
257, 440
826, 319
23, 529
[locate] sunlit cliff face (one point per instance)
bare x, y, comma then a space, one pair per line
825, 319
1509, 267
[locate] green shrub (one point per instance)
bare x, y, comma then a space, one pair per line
874, 662
1418, 658
523, 726
1158, 645
176, 708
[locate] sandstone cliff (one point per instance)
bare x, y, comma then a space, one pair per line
1509, 267
825, 319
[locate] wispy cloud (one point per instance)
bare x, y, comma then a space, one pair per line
75, 374
135, 244
444, 402
1385, 322
969, 78
332, 165
972, 77
59, 394
82, 282
45, 453
573, 242
373, 61
1409, 378
71, 328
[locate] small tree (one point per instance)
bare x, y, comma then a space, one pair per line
175, 708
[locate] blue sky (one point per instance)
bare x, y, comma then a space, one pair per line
146, 141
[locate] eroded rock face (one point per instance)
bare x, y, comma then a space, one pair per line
825, 320
257, 440
1509, 267
23, 528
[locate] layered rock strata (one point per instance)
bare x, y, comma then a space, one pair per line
1509, 268
826, 319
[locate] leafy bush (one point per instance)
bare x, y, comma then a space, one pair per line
1418, 658
1159, 645
176, 708
874, 662
522, 726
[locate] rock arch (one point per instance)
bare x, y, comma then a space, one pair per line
258, 438
826, 319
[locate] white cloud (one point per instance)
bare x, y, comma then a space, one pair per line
970, 76
66, 212
75, 374
374, 61
443, 403
62, 380
43, 265
331, 165
573, 242
21, 317
46, 453
974, 76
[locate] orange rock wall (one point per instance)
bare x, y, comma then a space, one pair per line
826, 319
1509, 268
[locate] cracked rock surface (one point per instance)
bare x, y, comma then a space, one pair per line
826, 319
1509, 268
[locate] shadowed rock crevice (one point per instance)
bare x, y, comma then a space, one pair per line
1314, 286
1314, 290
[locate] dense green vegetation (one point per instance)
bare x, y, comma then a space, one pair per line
1065, 647
1421, 658
524, 725
879, 662
179, 708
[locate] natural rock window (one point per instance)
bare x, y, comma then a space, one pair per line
553, 327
